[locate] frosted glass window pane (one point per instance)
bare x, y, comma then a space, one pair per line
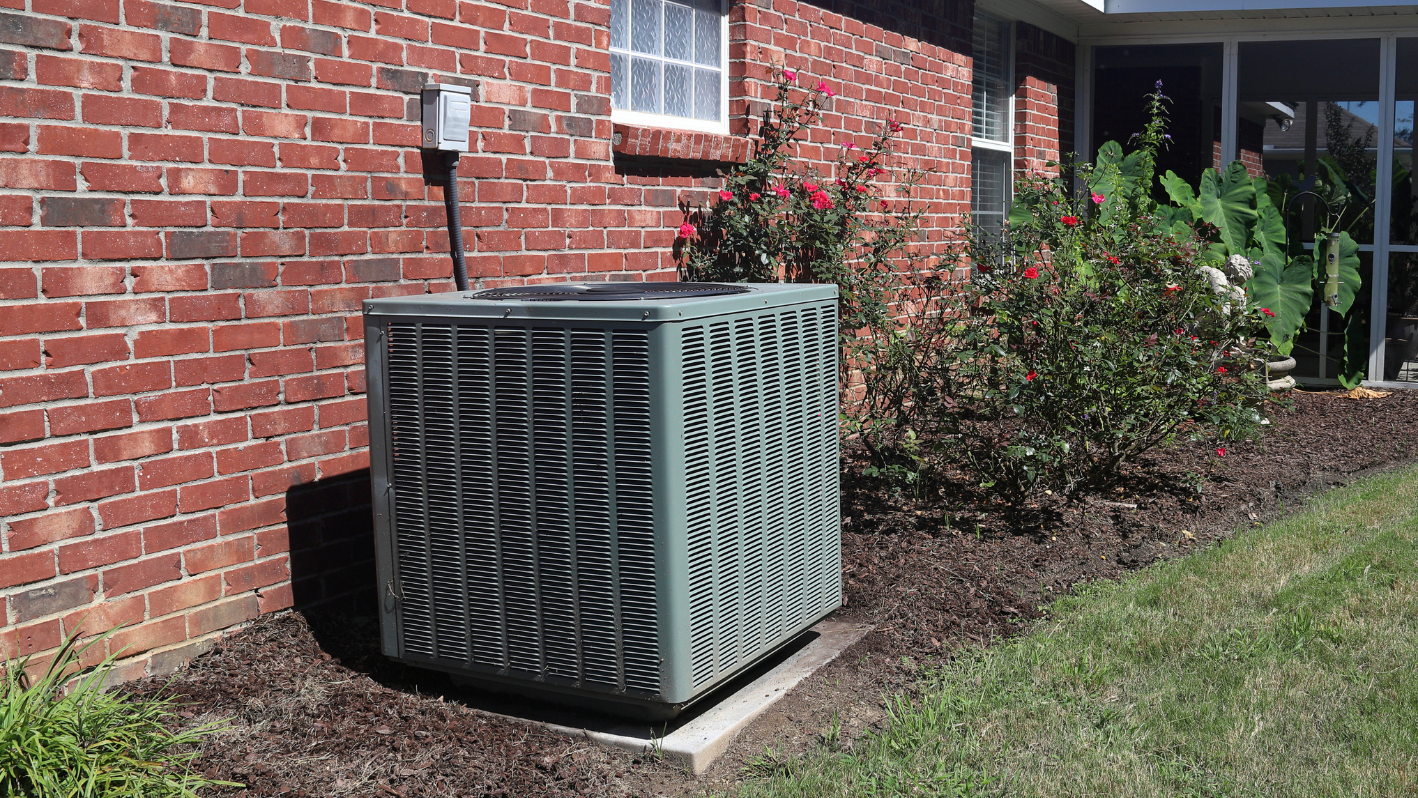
679, 91
706, 38
620, 24
679, 31
620, 80
706, 94
990, 85
645, 26
645, 85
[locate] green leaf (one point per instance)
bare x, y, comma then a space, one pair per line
1287, 290
1356, 351
1270, 229
1349, 279
1228, 201
1019, 214
1181, 193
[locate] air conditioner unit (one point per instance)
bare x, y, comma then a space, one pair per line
617, 495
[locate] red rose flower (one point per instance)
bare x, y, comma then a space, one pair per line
1032, 273
809, 187
686, 230
1221, 451
1031, 375
725, 194
753, 196
1070, 221
1268, 312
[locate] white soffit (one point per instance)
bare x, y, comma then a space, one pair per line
1249, 23
1050, 15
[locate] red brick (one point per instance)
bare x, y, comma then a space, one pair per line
313, 214
190, 593
174, 534
171, 341
340, 15
220, 555
280, 422
309, 156
15, 211
83, 281
243, 396
53, 526
132, 445
130, 510
336, 300
81, 349
102, 109
315, 386
102, 245
344, 465
174, 470
37, 174
344, 73
239, 29
207, 118
252, 516
125, 312
90, 417
272, 243
290, 9
339, 356
286, 66
339, 186
218, 493
267, 483
210, 370
35, 638
275, 184
26, 425
20, 354
258, 575
205, 55
163, 147
189, 244
167, 83
23, 569
222, 615
125, 44
169, 277
296, 37
55, 70
280, 362
47, 459
93, 485
241, 153
130, 642
29, 497
189, 180
36, 245
174, 404
303, 447
277, 303
97, 10
249, 458
141, 574
316, 272
273, 125
95, 619
158, 16
245, 91
206, 307
18, 283
305, 331
257, 335
82, 212
276, 598
27, 103
168, 213
43, 387
99, 551
132, 379
211, 433
127, 178
246, 214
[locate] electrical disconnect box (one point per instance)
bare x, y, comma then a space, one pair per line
447, 111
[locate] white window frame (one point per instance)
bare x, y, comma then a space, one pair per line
645, 119
1007, 145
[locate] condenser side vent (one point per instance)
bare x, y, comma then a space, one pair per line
760, 422
518, 550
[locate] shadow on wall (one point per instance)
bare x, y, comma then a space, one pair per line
332, 545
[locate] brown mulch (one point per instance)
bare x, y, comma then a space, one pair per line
316, 711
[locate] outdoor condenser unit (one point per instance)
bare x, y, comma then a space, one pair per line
618, 495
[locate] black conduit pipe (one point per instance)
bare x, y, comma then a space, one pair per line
455, 223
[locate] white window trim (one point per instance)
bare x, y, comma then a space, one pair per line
1007, 145
644, 119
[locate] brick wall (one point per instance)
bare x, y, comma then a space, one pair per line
196, 197
1043, 98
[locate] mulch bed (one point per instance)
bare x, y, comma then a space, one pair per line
316, 711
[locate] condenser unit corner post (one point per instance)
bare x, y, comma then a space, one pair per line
608, 494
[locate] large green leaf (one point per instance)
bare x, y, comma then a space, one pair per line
1269, 231
1287, 290
1228, 201
1349, 279
1356, 351
1180, 192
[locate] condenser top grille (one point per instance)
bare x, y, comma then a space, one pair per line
609, 292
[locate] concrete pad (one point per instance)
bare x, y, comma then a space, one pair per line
694, 740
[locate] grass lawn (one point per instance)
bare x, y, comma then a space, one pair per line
1281, 663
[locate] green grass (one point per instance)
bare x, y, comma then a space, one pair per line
1280, 663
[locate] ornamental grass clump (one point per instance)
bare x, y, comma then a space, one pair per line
1084, 336
63, 735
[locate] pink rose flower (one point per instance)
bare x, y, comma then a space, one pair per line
825, 89
1098, 199
725, 195
821, 200
782, 191
753, 196
790, 74
809, 187
686, 230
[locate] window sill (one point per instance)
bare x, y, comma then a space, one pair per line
665, 144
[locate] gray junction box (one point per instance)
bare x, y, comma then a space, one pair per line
616, 495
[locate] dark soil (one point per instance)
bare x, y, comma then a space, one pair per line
318, 712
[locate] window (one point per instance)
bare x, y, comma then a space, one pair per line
992, 150
669, 62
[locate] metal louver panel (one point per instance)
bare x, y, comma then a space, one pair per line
516, 550
760, 426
